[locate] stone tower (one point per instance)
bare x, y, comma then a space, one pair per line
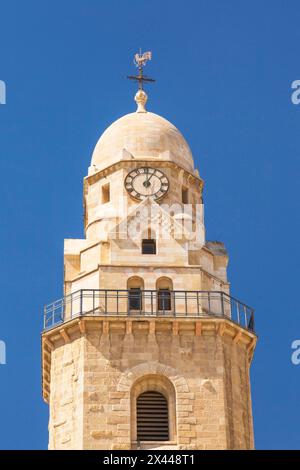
147, 349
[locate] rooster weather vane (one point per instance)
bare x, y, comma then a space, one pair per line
140, 60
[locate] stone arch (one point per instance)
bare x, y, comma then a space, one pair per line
128, 378
164, 282
135, 281
135, 378
162, 385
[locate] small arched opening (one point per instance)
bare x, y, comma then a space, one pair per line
164, 287
135, 287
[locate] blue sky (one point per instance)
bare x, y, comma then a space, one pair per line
224, 72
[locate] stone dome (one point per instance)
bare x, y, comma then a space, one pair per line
141, 135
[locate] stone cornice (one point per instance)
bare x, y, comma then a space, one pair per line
152, 267
81, 326
137, 162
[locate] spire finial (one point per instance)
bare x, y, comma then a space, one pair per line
140, 61
141, 100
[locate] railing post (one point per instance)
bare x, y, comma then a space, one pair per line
198, 307
105, 301
81, 301
173, 305
222, 304
238, 312
117, 302
245, 315
151, 292
185, 299
208, 298
251, 324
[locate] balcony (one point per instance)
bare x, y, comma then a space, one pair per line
148, 303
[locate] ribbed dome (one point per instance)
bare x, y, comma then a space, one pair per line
141, 135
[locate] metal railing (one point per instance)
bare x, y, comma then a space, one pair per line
148, 303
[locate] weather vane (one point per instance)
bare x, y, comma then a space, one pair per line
140, 61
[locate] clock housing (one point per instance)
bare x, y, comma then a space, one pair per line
145, 182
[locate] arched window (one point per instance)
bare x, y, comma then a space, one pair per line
105, 193
152, 400
152, 417
135, 286
185, 195
164, 286
164, 299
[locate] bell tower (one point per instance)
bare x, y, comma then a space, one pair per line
147, 349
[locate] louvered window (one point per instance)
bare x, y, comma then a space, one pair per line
152, 417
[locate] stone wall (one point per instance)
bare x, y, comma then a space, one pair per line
97, 373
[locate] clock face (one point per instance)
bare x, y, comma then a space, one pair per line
146, 182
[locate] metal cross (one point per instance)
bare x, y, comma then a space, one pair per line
140, 61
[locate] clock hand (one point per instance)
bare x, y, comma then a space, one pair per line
151, 175
147, 171
147, 182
